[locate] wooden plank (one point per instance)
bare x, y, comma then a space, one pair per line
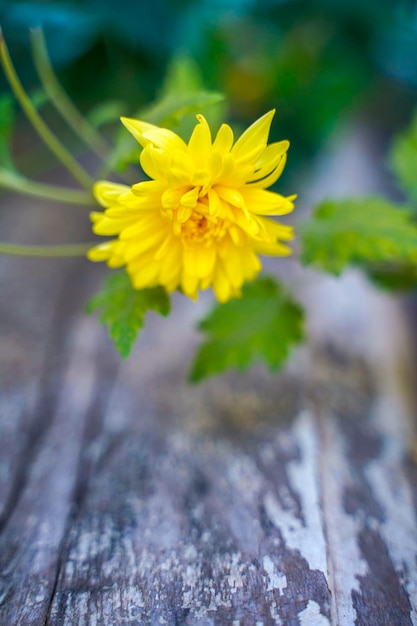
129, 497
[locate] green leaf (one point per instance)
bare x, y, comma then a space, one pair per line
39, 97
106, 113
123, 308
403, 159
6, 128
358, 231
183, 94
169, 111
261, 325
394, 276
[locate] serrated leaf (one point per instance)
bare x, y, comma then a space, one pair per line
6, 127
123, 309
403, 159
261, 325
358, 231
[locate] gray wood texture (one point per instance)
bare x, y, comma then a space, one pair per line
129, 497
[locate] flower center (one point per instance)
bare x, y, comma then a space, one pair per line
202, 229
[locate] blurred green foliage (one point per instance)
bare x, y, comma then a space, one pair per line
403, 159
358, 231
373, 233
6, 128
316, 60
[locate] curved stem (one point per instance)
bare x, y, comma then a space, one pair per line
37, 122
20, 184
65, 250
60, 99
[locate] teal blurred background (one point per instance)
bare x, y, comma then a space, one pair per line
319, 62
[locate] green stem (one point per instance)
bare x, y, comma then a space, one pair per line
23, 185
66, 250
37, 122
60, 99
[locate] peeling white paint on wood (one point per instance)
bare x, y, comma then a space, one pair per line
303, 476
399, 527
311, 616
277, 580
344, 557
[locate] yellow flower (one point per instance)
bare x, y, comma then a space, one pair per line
203, 218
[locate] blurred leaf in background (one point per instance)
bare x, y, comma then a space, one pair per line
181, 97
356, 232
6, 128
318, 61
403, 159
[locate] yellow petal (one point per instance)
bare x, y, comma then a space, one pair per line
107, 193
184, 213
262, 202
116, 261
145, 227
110, 226
270, 230
272, 153
230, 195
189, 199
102, 252
254, 136
143, 275
199, 145
199, 260
146, 133
148, 187
167, 244
170, 269
178, 177
224, 139
251, 264
215, 205
221, 284
155, 163
269, 159
189, 285
236, 235
272, 178
164, 139
233, 265
215, 165
170, 199
272, 249
137, 128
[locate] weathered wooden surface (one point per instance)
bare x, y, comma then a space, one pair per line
128, 497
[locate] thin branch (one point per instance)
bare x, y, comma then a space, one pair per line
20, 184
60, 99
37, 122
65, 250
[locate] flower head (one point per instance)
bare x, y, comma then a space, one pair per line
203, 218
